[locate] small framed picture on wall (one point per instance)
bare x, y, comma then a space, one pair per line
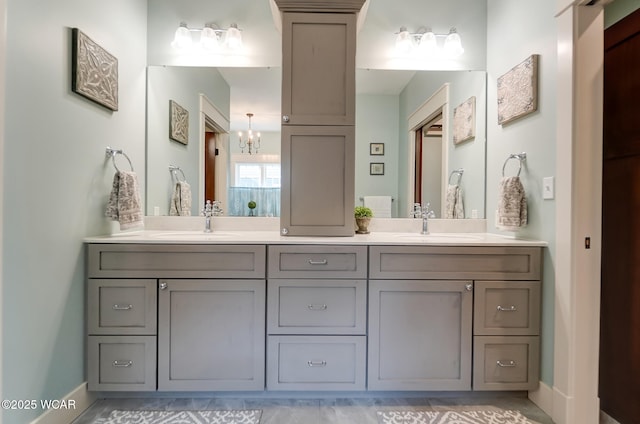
376, 149
376, 168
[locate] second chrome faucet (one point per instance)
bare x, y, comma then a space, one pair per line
427, 214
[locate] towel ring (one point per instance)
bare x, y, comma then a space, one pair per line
458, 171
174, 171
521, 158
112, 154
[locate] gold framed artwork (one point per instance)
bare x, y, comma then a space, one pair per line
518, 91
94, 71
464, 121
178, 123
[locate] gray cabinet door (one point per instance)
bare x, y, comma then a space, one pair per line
211, 334
420, 335
318, 75
318, 174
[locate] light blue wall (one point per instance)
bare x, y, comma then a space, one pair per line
377, 122
183, 85
57, 183
619, 9
469, 155
516, 30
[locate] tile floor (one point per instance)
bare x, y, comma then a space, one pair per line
320, 410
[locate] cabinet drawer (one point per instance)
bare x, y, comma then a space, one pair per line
124, 363
505, 362
455, 262
317, 306
316, 363
507, 308
122, 306
176, 261
317, 261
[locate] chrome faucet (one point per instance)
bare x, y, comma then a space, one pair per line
426, 215
208, 213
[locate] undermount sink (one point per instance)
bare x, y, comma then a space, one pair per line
433, 237
192, 235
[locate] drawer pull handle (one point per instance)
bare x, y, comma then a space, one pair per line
122, 364
506, 364
317, 307
317, 363
321, 262
122, 307
511, 308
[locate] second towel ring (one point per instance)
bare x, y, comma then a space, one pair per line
174, 171
520, 156
111, 153
458, 171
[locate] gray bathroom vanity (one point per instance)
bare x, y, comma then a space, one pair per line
249, 311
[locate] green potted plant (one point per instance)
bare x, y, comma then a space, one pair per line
363, 215
251, 205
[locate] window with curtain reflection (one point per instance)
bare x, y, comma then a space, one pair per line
258, 182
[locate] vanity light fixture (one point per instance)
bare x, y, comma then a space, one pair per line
424, 42
251, 142
211, 37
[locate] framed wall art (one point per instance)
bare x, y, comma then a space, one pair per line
518, 91
376, 149
178, 123
376, 168
94, 71
464, 121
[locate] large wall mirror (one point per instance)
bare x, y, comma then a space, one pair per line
405, 130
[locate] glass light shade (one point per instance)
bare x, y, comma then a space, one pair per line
453, 44
404, 41
182, 38
428, 43
209, 39
234, 37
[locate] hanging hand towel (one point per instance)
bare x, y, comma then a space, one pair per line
124, 203
379, 205
512, 205
453, 209
181, 200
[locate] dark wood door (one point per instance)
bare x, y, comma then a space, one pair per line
417, 197
210, 166
619, 387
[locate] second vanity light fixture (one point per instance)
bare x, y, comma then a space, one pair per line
425, 42
211, 37
251, 142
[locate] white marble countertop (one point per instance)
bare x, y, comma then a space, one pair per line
273, 237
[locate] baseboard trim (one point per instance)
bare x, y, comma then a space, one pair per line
562, 408
543, 397
81, 399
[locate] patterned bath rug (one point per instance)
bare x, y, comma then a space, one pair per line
182, 417
452, 417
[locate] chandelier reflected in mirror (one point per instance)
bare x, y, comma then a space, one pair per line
251, 142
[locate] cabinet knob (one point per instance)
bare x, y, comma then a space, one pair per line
469, 287
285, 118
163, 286
284, 231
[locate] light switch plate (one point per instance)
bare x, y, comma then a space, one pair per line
548, 189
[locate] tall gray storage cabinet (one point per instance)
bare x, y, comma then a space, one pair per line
318, 119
